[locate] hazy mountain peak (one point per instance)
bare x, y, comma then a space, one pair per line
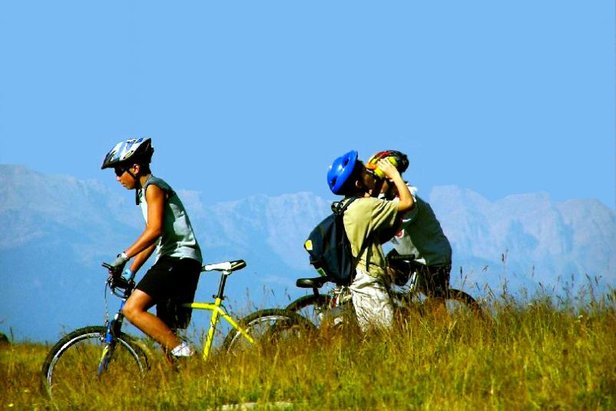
64, 228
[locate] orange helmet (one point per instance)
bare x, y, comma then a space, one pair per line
396, 158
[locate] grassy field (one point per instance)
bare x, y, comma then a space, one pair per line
533, 355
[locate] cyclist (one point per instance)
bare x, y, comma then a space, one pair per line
420, 233
172, 279
365, 220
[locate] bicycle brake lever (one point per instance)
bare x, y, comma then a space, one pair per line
107, 266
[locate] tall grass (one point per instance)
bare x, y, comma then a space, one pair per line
537, 354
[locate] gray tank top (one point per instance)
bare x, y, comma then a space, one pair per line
422, 235
178, 239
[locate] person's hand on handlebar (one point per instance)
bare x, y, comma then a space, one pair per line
117, 278
124, 280
117, 266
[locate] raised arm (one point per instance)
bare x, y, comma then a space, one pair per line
405, 198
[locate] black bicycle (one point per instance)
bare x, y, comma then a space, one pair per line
333, 306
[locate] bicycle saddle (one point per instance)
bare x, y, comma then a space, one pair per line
226, 266
316, 282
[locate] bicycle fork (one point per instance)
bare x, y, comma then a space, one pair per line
113, 330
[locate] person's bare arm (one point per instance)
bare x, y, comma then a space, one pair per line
143, 247
404, 195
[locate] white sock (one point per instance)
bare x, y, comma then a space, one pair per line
183, 350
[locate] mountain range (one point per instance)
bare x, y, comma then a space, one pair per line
57, 230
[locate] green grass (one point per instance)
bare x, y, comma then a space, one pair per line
536, 355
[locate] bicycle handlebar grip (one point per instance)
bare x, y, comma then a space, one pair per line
121, 282
116, 280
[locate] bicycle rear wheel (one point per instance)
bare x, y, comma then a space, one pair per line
267, 328
459, 300
457, 304
73, 368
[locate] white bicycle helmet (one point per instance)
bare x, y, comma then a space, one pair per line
136, 150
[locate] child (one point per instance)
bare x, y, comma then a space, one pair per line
420, 234
365, 221
172, 280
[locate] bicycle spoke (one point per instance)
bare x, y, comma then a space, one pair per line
74, 366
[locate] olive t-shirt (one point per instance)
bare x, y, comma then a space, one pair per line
364, 219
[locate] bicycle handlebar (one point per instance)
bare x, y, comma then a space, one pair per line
108, 266
116, 281
401, 257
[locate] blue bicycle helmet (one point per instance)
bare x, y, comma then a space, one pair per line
341, 171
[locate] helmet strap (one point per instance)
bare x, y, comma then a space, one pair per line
137, 185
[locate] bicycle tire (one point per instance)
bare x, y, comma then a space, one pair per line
464, 298
267, 327
70, 369
313, 307
457, 302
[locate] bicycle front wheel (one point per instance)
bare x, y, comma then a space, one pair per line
266, 328
313, 307
81, 364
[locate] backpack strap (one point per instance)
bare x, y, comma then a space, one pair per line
338, 208
361, 251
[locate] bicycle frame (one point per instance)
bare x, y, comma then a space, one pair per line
216, 307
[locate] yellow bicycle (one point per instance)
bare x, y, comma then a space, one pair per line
99, 356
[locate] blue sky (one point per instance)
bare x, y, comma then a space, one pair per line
258, 97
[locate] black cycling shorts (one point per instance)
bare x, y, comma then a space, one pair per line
434, 280
172, 282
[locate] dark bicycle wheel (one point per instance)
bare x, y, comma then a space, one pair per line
81, 363
267, 328
457, 303
313, 307
457, 297
325, 311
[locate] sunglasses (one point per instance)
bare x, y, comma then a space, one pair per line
120, 170
371, 172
